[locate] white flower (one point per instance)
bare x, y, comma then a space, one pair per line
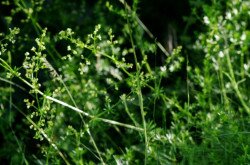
33, 49
171, 68
116, 73
88, 62
233, 40
235, 11
243, 36
246, 67
228, 16
163, 68
216, 37
209, 116
170, 137
221, 54
99, 37
228, 85
206, 20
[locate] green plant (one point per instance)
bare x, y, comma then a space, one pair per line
82, 97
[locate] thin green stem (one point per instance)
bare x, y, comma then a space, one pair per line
38, 29
95, 146
75, 108
235, 85
221, 80
129, 114
187, 81
144, 124
43, 134
139, 93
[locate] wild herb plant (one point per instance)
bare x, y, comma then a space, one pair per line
68, 97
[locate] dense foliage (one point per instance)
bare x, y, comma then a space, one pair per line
89, 83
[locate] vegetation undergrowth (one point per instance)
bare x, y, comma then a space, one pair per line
77, 88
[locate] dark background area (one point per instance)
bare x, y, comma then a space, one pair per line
159, 14
82, 16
